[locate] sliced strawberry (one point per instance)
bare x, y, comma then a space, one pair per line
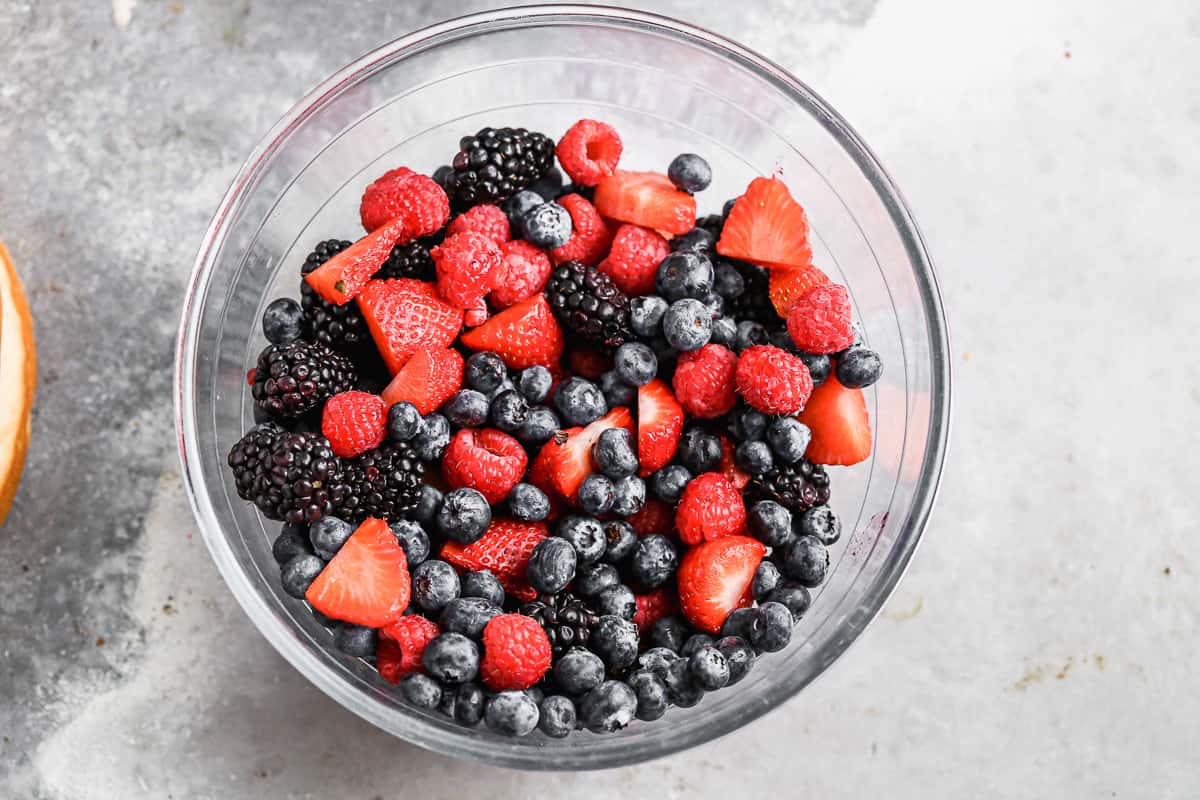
660, 424
841, 428
662, 602
367, 582
786, 286
504, 550
767, 227
405, 315
428, 379
714, 579
648, 199
342, 277
523, 335
565, 461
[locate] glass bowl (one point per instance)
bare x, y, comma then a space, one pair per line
668, 88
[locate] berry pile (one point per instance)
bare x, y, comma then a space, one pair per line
554, 457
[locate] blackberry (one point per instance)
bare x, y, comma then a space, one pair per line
294, 378
384, 482
754, 303
339, 327
411, 260
496, 163
589, 304
294, 477
797, 487
567, 620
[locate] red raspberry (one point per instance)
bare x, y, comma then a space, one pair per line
655, 517
516, 652
487, 460
469, 265
711, 507
819, 322
402, 644
485, 219
728, 468
633, 259
354, 422
662, 602
589, 235
477, 314
588, 362
528, 270
402, 192
704, 381
589, 151
773, 380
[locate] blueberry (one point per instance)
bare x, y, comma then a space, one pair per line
615, 640
465, 515
483, 585
528, 503
767, 579
579, 401
739, 622
421, 690
669, 482
651, 693
592, 579
441, 176
700, 240
683, 274
511, 714
579, 671
747, 424
298, 574
859, 367
585, 535
772, 629
550, 185
682, 691
615, 454
629, 495
754, 458
819, 366
822, 523
468, 408
536, 694
782, 339
324, 620
356, 640
635, 363
715, 305
724, 332
608, 708
789, 438
403, 422
448, 702
669, 633
728, 207
509, 411
432, 439
694, 643
690, 173
283, 321
796, 598
596, 494
520, 204
749, 334
468, 616
698, 451
451, 658
621, 538
616, 391
556, 716
551, 565
708, 668
506, 385
739, 655
616, 600
657, 659
428, 504
539, 427
292, 541
770, 523
413, 540
548, 226
534, 383
654, 561
328, 534
468, 704
646, 314
484, 372
727, 281
806, 561
434, 584
687, 325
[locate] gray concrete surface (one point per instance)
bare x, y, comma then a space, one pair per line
1045, 641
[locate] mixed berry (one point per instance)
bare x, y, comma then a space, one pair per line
554, 456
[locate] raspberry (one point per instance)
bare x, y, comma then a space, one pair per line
773, 380
476, 314
588, 362
487, 220
655, 517
516, 652
486, 460
469, 265
589, 151
526, 274
403, 643
354, 422
704, 381
633, 259
590, 237
711, 507
662, 602
728, 468
819, 322
403, 192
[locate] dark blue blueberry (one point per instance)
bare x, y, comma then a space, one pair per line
654, 561
859, 367
539, 427
739, 655
690, 173
754, 457
451, 658
292, 541
428, 505
484, 372
578, 671
548, 226
687, 325
534, 383
506, 385
724, 332
709, 669
658, 658
468, 616
806, 561
646, 315
819, 366
821, 523
536, 694
434, 584
441, 176
770, 523
796, 598
328, 534
511, 714
596, 494
484, 585
520, 204
616, 600
789, 438
749, 334
509, 411
683, 274
592, 579
700, 240
694, 643
669, 633
448, 703
465, 515
772, 629
747, 424
550, 185
608, 708
356, 640
551, 565
323, 620
622, 538
421, 690
579, 401
616, 391
635, 363
651, 693
682, 691
669, 482
403, 421
629, 495
528, 503
283, 321
698, 451
556, 716
615, 453
725, 209
782, 339
468, 704
432, 439
767, 579
615, 640
727, 281
298, 574
413, 540
739, 622
467, 409
715, 305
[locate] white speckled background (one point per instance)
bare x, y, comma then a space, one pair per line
1044, 642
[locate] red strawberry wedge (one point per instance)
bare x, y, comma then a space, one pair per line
714, 579
428, 379
405, 315
660, 424
565, 463
504, 550
648, 199
342, 277
767, 227
367, 582
841, 428
523, 335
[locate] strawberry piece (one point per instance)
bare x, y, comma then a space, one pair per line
516, 652
767, 227
648, 199
633, 259
523, 335
402, 193
728, 467
469, 265
354, 422
405, 315
486, 460
566, 460
786, 286
773, 380
841, 428
485, 220
660, 424
590, 237
476, 314
714, 579
367, 582
589, 151
342, 277
654, 517
527, 269
704, 381
711, 507
661, 603
401, 646
504, 550
428, 379
588, 362
820, 321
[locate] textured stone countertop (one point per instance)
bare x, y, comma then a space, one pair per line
1044, 643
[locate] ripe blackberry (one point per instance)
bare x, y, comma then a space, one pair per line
384, 482
294, 378
293, 477
798, 487
339, 327
411, 260
589, 304
496, 163
755, 302
567, 620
